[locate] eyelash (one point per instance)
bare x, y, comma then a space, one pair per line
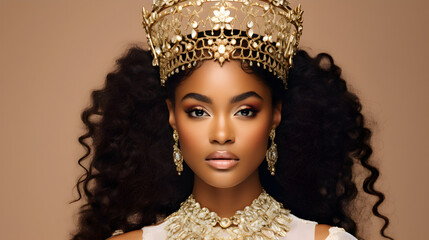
252, 112
192, 112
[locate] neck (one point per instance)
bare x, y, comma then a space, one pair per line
226, 201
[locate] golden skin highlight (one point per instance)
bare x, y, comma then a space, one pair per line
224, 109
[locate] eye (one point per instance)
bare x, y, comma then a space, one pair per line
196, 113
246, 112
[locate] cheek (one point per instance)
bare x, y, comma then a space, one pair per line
193, 137
254, 138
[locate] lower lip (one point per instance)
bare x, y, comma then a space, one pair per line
222, 164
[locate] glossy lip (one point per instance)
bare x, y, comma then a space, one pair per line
222, 160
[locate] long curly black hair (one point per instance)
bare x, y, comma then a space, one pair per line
130, 180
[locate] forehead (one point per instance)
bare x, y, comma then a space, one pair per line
214, 80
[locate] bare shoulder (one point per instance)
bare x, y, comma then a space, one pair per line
322, 231
134, 235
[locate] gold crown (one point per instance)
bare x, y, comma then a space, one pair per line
263, 32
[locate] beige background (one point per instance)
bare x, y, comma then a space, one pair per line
52, 53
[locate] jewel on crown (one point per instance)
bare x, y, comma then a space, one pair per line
265, 33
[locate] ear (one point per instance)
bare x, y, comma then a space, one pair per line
172, 116
277, 114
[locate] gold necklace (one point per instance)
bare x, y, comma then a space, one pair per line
264, 219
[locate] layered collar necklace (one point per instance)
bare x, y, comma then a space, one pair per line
264, 219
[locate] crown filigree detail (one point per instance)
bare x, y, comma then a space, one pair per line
265, 33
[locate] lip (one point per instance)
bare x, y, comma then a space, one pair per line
222, 160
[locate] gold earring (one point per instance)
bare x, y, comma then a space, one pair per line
177, 154
272, 154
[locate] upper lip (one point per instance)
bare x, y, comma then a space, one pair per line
222, 155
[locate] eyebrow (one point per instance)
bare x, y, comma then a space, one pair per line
235, 99
198, 97
245, 95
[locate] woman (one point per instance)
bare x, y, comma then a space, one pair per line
224, 137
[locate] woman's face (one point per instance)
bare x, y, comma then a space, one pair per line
223, 116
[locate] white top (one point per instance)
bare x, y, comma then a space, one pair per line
299, 230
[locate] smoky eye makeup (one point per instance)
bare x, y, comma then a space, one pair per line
196, 112
247, 112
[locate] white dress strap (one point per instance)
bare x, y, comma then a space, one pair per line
155, 232
336, 233
301, 229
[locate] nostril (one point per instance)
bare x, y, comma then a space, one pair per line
222, 141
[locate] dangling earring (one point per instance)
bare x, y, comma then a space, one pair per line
177, 154
271, 154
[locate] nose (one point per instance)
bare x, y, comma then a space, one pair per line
222, 131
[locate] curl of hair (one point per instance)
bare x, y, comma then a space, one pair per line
131, 181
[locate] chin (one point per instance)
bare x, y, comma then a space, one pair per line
223, 180
223, 184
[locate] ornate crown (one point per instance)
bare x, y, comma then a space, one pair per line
263, 32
